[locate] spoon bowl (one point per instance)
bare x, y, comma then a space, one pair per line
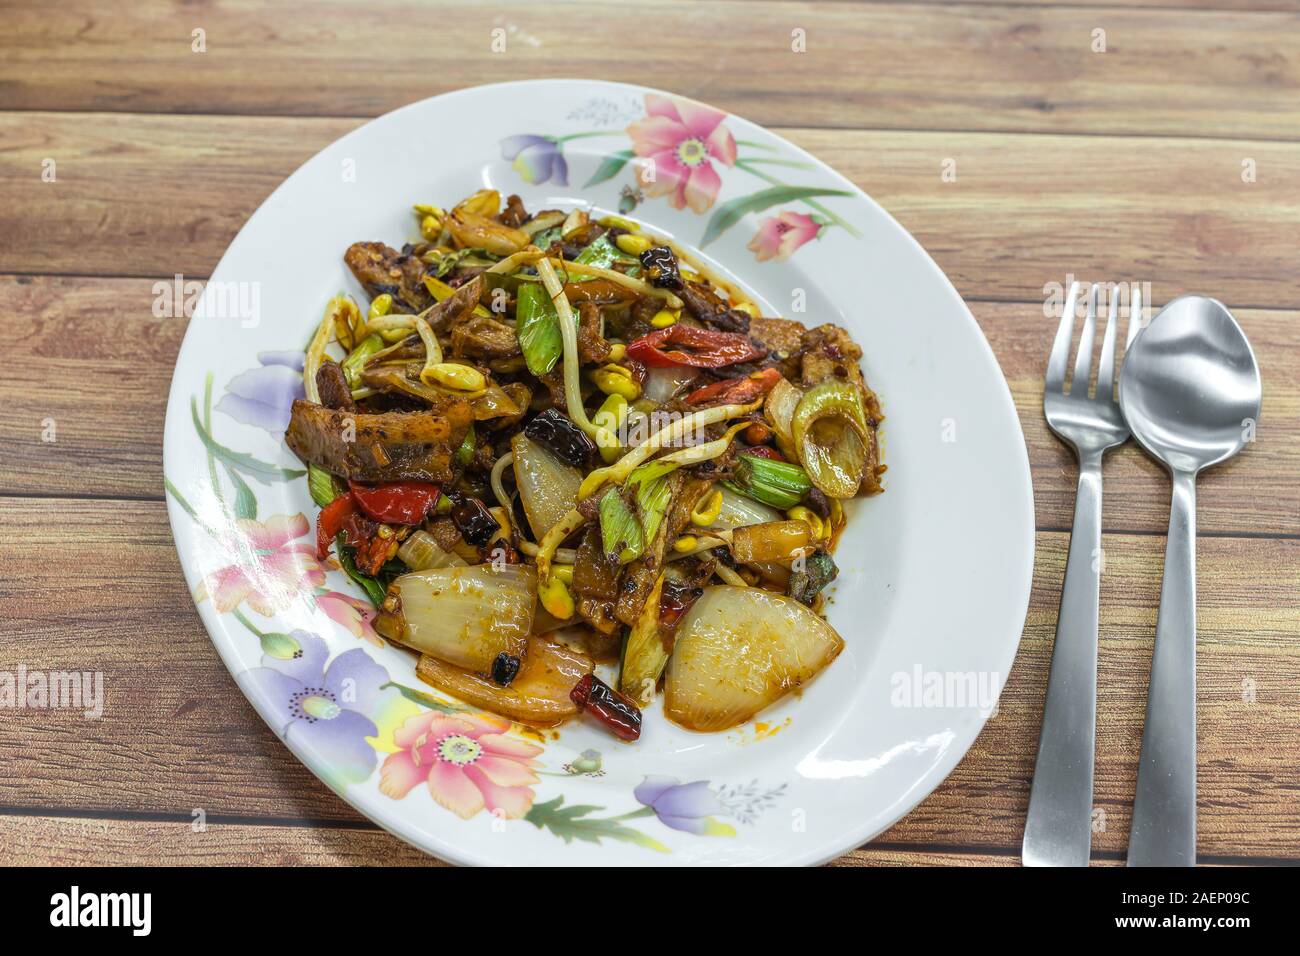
1190, 388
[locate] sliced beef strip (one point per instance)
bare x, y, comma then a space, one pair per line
393, 446
828, 352
514, 215
554, 382
703, 303
456, 308
483, 337
595, 575
382, 269
592, 347
333, 388
600, 615
444, 533
783, 339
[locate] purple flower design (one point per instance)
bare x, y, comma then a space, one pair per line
323, 708
263, 396
684, 806
537, 159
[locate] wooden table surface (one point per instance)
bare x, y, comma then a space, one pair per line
1152, 140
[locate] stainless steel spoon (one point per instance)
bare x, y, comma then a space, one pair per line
1190, 391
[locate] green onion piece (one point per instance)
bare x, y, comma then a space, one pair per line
538, 328
466, 450
644, 654
601, 252
374, 590
620, 532
445, 262
356, 360
322, 485
653, 494
829, 428
775, 483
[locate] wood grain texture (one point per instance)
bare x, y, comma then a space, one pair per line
87, 841
177, 734
1236, 6
84, 331
887, 65
1118, 165
166, 194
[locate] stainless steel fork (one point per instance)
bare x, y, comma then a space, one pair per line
1058, 830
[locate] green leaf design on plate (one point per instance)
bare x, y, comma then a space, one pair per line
423, 699
731, 212
245, 500
610, 167
258, 470
574, 823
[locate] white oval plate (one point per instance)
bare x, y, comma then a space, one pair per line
935, 573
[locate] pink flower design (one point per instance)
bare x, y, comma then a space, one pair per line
681, 138
269, 573
780, 235
466, 760
353, 614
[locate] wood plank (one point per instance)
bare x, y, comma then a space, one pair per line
88, 841
1236, 6
1025, 210
176, 733
89, 336
1213, 72
871, 855
155, 196
82, 332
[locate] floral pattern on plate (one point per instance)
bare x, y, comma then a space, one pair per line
679, 152
345, 709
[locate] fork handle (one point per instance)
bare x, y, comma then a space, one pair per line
1058, 829
1163, 832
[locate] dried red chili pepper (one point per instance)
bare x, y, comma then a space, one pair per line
558, 434
619, 715
660, 264
736, 391
472, 519
396, 502
710, 349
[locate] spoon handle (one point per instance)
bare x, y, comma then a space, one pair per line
1058, 827
1164, 811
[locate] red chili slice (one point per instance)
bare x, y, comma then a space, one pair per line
710, 349
619, 715
736, 391
396, 502
330, 522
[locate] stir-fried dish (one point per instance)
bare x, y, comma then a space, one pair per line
552, 442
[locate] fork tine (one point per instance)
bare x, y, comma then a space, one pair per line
1083, 361
1106, 370
1134, 316
1061, 344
